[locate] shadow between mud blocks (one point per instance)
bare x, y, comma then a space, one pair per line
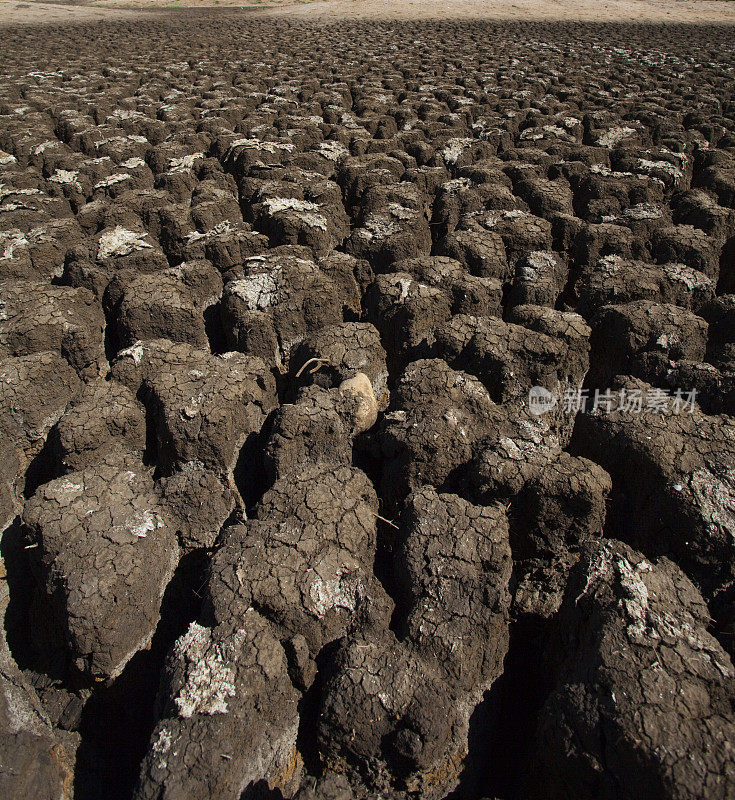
119, 718
503, 725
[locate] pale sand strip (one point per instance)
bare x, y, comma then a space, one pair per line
692, 11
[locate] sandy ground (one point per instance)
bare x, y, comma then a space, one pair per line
29, 12
25, 12
697, 11
583, 10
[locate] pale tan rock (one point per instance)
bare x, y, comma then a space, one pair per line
366, 410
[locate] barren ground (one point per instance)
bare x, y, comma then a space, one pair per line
367, 402
692, 11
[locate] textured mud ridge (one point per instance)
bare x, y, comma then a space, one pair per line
280, 518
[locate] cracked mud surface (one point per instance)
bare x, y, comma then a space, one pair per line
280, 518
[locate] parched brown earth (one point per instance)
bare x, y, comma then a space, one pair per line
298, 498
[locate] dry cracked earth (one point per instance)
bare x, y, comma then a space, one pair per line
279, 519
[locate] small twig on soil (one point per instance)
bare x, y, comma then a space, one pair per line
320, 362
387, 521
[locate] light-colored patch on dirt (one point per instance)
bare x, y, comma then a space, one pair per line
209, 679
259, 291
121, 242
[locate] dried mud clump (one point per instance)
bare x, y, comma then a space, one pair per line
644, 693
366, 411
